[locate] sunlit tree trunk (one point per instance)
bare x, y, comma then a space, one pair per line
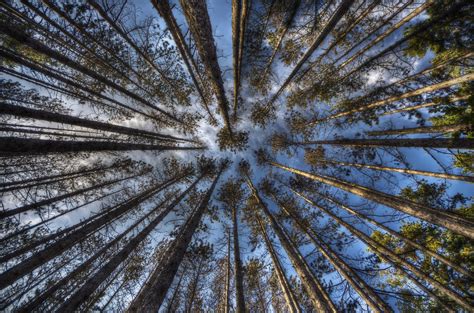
236, 15
239, 284
152, 294
451, 221
227, 278
290, 299
401, 170
424, 105
420, 130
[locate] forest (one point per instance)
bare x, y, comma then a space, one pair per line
236, 156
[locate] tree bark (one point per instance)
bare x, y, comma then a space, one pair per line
455, 143
451, 221
420, 130
152, 294
236, 15
423, 105
199, 24
239, 283
10, 146
227, 278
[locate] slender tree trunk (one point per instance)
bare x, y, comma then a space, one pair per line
164, 9
194, 283
448, 220
152, 294
83, 293
379, 103
420, 130
239, 283
424, 105
358, 284
397, 261
171, 309
59, 246
236, 15
402, 170
199, 24
227, 278
27, 40
10, 146
397, 235
290, 298
316, 292
25, 112
455, 143
335, 18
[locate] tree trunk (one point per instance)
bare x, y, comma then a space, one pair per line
455, 143
316, 292
434, 87
396, 260
451, 221
335, 18
227, 278
239, 283
420, 130
370, 297
59, 246
152, 294
10, 146
402, 170
171, 309
424, 105
83, 293
25, 112
164, 9
236, 15
290, 299
199, 24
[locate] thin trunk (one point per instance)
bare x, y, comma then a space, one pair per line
370, 297
164, 9
424, 105
227, 278
25, 112
152, 294
195, 283
26, 39
410, 242
420, 130
171, 309
335, 18
455, 143
10, 146
402, 170
431, 88
199, 24
83, 293
313, 287
239, 283
451, 221
58, 247
290, 298
396, 260
236, 15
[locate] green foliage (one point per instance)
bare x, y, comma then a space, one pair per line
238, 141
